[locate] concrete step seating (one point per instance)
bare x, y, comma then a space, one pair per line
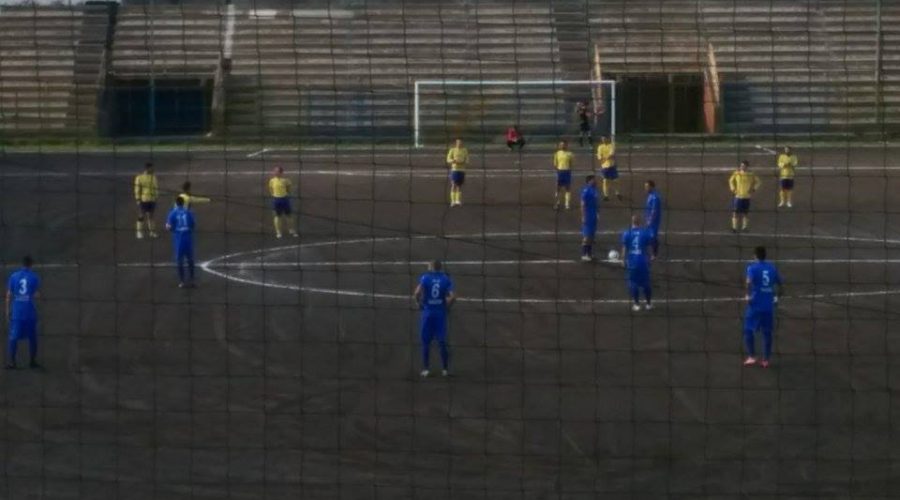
813, 61
326, 55
36, 66
167, 41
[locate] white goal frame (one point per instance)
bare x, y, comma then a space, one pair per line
597, 95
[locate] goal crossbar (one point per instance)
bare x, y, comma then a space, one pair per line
418, 84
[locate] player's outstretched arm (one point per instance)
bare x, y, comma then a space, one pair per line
417, 295
451, 298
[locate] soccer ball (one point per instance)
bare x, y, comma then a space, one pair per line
613, 256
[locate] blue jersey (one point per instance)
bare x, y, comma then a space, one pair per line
763, 277
181, 222
22, 286
589, 198
653, 209
435, 288
636, 240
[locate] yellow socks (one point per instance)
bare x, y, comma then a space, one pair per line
138, 228
605, 188
276, 222
568, 198
734, 223
746, 221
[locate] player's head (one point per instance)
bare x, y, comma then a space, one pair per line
760, 253
635, 220
590, 180
563, 145
278, 171
605, 139
787, 150
458, 142
27, 262
179, 202
148, 167
744, 165
435, 265
186, 187
649, 185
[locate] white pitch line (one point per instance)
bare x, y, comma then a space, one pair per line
256, 265
767, 150
251, 265
211, 266
257, 153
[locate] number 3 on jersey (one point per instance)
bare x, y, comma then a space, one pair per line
23, 286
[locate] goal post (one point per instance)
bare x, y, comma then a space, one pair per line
600, 93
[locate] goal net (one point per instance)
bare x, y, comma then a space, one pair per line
484, 109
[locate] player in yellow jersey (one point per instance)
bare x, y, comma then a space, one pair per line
787, 163
146, 191
280, 189
191, 199
606, 153
562, 160
457, 158
743, 184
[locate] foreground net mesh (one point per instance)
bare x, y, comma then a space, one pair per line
292, 369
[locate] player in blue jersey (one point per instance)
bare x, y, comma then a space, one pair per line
434, 294
589, 207
763, 289
21, 291
180, 223
636, 245
653, 213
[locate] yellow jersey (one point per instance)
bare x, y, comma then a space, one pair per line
190, 199
146, 188
279, 187
457, 158
605, 153
786, 165
743, 184
562, 160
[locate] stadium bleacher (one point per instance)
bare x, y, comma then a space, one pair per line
167, 41
341, 70
37, 59
777, 76
784, 66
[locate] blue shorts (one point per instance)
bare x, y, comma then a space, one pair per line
281, 206
184, 250
148, 207
787, 184
741, 205
639, 276
433, 326
611, 173
589, 228
22, 329
564, 178
457, 177
758, 320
